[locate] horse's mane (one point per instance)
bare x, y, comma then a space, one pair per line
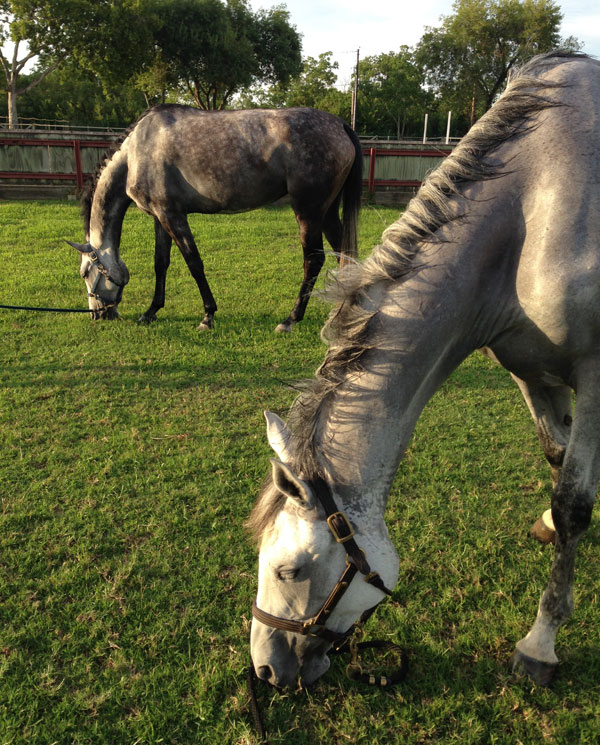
87, 195
348, 329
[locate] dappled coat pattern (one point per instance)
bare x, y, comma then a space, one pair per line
178, 160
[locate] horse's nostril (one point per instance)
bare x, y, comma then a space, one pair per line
265, 672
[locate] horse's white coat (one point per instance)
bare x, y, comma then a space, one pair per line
518, 274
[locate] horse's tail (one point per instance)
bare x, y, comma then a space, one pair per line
351, 196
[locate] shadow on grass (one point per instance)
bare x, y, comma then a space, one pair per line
473, 687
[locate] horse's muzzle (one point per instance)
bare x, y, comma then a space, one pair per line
104, 314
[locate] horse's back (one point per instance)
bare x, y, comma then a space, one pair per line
233, 160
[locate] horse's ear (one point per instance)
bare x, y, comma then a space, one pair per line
279, 436
286, 481
83, 248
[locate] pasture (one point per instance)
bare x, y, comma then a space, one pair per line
131, 457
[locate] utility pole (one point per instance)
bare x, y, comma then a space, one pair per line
355, 92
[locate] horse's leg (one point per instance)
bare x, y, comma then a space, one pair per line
311, 236
550, 408
178, 228
162, 259
572, 502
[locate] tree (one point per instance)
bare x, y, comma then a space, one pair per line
315, 87
78, 97
211, 49
391, 97
468, 58
107, 37
12, 64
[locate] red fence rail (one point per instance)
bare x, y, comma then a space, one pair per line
78, 176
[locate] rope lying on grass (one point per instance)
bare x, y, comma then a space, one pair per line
354, 672
51, 310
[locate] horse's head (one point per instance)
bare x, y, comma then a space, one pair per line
105, 277
312, 571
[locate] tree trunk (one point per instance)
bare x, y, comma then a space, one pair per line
11, 72
13, 119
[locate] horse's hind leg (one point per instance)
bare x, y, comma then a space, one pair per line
178, 228
311, 236
572, 502
162, 259
551, 410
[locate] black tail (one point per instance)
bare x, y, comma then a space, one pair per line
352, 196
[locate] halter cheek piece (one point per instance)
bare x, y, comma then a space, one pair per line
102, 272
356, 562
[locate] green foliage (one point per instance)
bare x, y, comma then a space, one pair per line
106, 37
211, 50
131, 457
391, 98
78, 97
206, 48
467, 59
315, 87
218, 53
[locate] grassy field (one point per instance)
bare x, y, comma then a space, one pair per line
131, 457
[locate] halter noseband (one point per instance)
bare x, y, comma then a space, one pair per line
102, 272
356, 561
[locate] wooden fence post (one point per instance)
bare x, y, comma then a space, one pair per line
78, 168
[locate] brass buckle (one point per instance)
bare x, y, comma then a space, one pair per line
311, 628
340, 538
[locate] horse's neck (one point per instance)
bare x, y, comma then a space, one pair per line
426, 325
109, 205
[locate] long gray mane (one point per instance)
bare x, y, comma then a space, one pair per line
348, 329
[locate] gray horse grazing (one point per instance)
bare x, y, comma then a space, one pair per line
177, 160
499, 250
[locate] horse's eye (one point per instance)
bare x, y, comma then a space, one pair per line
287, 574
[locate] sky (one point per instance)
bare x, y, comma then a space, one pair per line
343, 26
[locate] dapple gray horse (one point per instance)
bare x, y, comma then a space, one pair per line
500, 250
177, 160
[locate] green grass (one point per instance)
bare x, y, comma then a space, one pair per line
131, 457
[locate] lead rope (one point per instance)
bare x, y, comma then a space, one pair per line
251, 680
50, 310
354, 671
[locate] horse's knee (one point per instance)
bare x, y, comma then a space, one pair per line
571, 516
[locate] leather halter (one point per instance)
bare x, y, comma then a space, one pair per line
102, 272
356, 562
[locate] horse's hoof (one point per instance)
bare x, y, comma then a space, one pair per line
284, 328
542, 531
146, 319
542, 673
205, 326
